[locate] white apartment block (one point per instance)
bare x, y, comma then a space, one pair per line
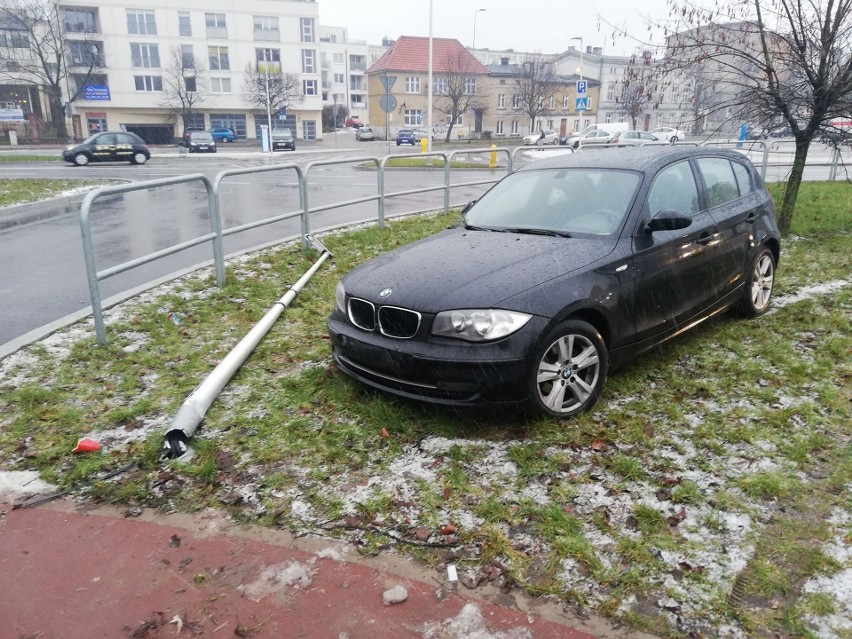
343, 65
136, 44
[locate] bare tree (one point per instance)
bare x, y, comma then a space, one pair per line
536, 85
776, 59
456, 89
38, 53
184, 87
638, 87
267, 88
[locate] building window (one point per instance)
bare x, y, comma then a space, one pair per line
338, 58
565, 102
515, 127
218, 57
440, 86
266, 28
308, 61
307, 26
184, 25
220, 85
550, 124
459, 120
187, 57
80, 20
413, 117
14, 39
516, 104
501, 100
216, 26
470, 86
148, 82
339, 78
191, 84
141, 22
357, 100
608, 118
85, 54
412, 84
146, 56
610, 91
309, 87
268, 55
500, 127
551, 104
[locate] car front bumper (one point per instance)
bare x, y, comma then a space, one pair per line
440, 371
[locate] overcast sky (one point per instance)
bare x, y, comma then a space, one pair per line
544, 26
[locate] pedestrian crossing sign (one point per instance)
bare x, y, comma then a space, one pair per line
582, 104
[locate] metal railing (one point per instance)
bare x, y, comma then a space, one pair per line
217, 234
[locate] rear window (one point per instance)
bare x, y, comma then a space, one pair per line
200, 136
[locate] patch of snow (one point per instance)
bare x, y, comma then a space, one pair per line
277, 578
20, 485
335, 553
470, 624
838, 585
806, 293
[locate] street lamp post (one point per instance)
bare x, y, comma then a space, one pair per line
475, 13
580, 38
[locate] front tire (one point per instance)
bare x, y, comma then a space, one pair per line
81, 159
760, 280
139, 158
673, 139
569, 370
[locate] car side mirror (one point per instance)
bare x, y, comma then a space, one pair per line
669, 220
468, 206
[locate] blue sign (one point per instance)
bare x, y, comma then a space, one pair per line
96, 92
581, 104
282, 113
420, 117
582, 85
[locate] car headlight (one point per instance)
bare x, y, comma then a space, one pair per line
478, 324
340, 297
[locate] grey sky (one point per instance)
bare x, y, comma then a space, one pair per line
545, 26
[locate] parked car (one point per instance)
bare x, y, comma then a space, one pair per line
592, 137
636, 138
542, 137
610, 127
201, 142
365, 133
422, 134
405, 136
111, 146
283, 140
669, 133
223, 134
571, 265
354, 121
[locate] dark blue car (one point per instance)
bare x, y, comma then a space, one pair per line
223, 134
405, 136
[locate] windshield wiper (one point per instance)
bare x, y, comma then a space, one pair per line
529, 231
471, 227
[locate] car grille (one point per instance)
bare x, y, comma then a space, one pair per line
391, 321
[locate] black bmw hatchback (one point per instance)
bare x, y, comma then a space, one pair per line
112, 146
562, 270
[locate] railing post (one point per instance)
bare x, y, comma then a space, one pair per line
765, 160
216, 229
448, 158
303, 202
381, 186
91, 269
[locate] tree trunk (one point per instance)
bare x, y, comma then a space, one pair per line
791, 190
57, 114
449, 131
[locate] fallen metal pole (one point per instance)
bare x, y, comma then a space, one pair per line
196, 405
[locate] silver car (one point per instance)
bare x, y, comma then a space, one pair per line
365, 133
636, 138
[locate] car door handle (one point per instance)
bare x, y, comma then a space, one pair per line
752, 216
704, 239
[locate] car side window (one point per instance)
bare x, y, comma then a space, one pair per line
674, 189
719, 180
123, 138
743, 176
106, 139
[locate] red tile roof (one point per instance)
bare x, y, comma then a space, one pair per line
410, 53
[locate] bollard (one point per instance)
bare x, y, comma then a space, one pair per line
424, 145
492, 163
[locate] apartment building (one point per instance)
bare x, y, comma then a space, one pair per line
135, 47
343, 66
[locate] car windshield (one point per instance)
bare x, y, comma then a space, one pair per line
565, 201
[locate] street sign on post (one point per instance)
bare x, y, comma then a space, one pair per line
581, 104
582, 85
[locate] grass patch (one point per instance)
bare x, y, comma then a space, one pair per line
727, 447
16, 157
21, 191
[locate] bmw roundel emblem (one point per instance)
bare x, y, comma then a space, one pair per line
385, 292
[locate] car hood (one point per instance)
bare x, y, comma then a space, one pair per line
462, 268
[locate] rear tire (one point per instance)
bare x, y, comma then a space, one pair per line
673, 139
139, 158
760, 280
568, 370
